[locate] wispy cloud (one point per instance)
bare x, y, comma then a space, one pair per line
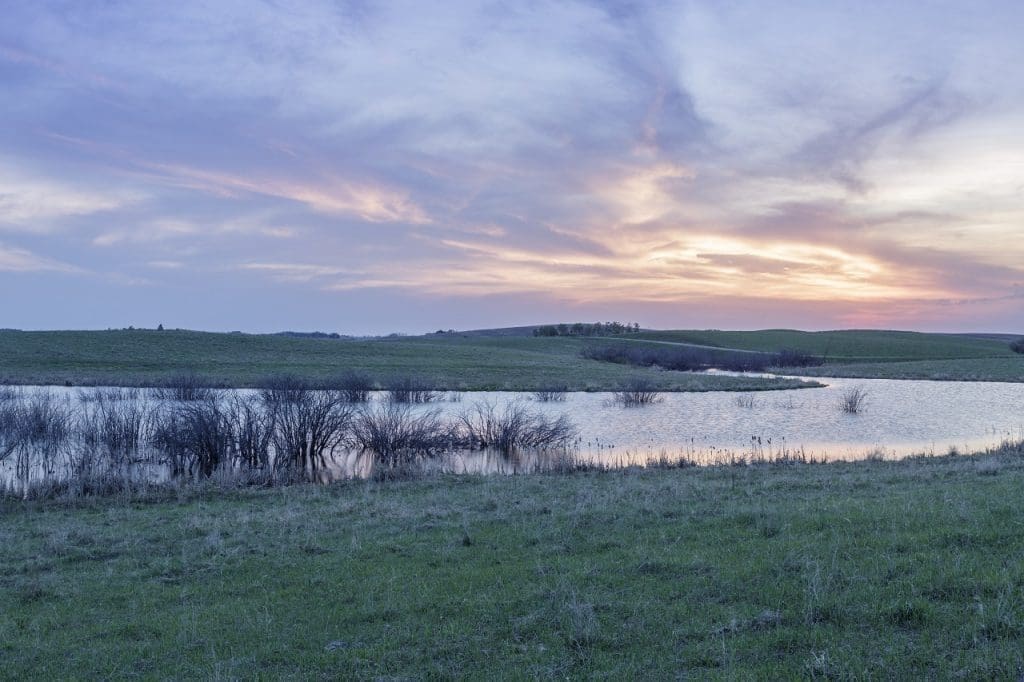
13, 259
29, 203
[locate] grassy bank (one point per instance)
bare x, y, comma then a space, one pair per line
975, 369
899, 570
449, 362
847, 346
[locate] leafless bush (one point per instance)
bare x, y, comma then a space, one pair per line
252, 430
636, 392
853, 400
397, 436
513, 428
185, 388
10, 427
551, 394
37, 431
690, 358
353, 386
308, 423
410, 390
746, 401
195, 437
112, 424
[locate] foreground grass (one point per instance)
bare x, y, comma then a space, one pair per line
448, 362
896, 570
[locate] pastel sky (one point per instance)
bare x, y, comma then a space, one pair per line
370, 167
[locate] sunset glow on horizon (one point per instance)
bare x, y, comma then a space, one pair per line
378, 167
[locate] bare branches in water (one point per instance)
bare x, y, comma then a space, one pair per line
853, 400
514, 428
185, 388
353, 386
115, 439
410, 390
309, 424
551, 394
396, 435
637, 392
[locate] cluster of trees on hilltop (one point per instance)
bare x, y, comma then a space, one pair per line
587, 329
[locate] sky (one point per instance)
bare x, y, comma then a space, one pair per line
374, 167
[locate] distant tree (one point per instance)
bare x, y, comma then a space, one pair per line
1017, 346
160, 327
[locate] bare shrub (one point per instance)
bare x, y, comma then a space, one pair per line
690, 358
853, 400
513, 428
37, 431
353, 386
195, 437
551, 394
112, 424
637, 392
252, 429
396, 436
788, 357
410, 390
10, 427
308, 423
745, 401
185, 388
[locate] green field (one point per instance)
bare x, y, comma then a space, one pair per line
872, 570
449, 362
476, 361
970, 369
847, 346
871, 354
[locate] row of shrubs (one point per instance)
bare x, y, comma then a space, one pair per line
688, 358
290, 427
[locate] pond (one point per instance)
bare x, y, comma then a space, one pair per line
900, 418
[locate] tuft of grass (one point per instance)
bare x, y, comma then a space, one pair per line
853, 400
637, 392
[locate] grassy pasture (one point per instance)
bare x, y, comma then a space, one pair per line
972, 369
449, 362
846, 346
480, 362
896, 570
